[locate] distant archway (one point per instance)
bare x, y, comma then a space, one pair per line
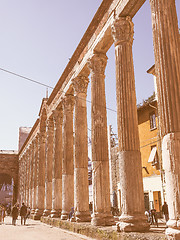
9, 172
6, 189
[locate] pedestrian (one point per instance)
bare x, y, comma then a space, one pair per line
165, 211
0, 214
154, 217
71, 214
14, 214
28, 212
23, 213
3, 213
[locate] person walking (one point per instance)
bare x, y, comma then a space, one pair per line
0, 214
23, 213
3, 213
14, 214
165, 211
154, 218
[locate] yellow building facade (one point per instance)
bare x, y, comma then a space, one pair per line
150, 143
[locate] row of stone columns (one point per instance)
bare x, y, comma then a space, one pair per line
62, 159
62, 176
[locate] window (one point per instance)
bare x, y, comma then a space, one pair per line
153, 157
152, 118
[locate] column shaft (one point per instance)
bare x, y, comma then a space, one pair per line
81, 194
49, 160
132, 196
67, 164
101, 188
167, 65
41, 177
30, 176
57, 164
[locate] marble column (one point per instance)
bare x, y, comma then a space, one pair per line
49, 161
167, 66
20, 181
81, 188
131, 184
57, 164
40, 195
35, 179
67, 163
100, 161
30, 175
32, 178
25, 176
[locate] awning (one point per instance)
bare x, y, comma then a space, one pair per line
152, 154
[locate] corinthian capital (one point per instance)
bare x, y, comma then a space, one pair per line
68, 102
58, 116
50, 123
80, 84
122, 30
97, 63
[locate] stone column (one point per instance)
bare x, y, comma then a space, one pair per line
57, 164
27, 176
32, 179
35, 179
81, 194
20, 180
100, 162
131, 184
41, 177
67, 164
48, 172
167, 65
30, 175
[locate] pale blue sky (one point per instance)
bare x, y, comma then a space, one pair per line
37, 39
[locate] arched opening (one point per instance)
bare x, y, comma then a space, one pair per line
6, 190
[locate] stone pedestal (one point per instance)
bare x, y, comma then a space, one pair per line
49, 161
67, 163
131, 185
167, 70
57, 164
101, 187
81, 194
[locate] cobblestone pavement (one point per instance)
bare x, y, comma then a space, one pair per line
35, 230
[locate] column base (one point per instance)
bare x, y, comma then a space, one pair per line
32, 211
46, 212
83, 216
55, 213
102, 219
129, 223
173, 230
38, 213
64, 215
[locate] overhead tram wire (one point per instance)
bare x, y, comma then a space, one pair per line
29, 79
45, 85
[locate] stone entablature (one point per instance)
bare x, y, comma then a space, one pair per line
112, 24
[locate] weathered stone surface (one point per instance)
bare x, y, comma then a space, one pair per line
167, 63
81, 191
67, 163
101, 232
57, 164
101, 184
131, 186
